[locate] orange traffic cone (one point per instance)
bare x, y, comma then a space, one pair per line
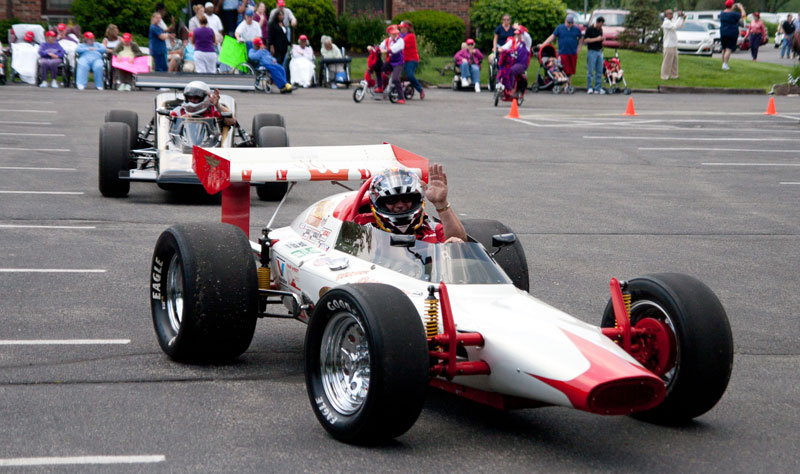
771, 107
630, 110
514, 114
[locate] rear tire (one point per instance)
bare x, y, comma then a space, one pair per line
267, 120
408, 92
511, 258
128, 117
115, 156
203, 292
394, 96
376, 390
702, 366
271, 137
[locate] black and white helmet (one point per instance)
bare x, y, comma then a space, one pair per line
390, 185
196, 89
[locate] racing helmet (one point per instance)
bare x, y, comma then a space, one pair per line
387, 187
196, 89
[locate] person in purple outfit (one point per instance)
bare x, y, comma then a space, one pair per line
393, 47
205, 54
51, 54
469, 61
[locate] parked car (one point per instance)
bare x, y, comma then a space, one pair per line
612, 26
697, 37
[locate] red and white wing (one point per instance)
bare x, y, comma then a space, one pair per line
218, 168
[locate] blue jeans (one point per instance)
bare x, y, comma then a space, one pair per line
82, 72
411, 68
786, 46
594, 68
472, 71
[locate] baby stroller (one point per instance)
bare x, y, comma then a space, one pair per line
549, 74
506, 82
613, 75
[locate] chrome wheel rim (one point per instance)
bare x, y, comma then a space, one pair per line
345, 363
175, 293
650, 309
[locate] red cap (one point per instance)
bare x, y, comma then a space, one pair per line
302, 37
61, 27
257, 41
192, 34
392, 29
29, 36
281, 3
728, 3
50, 33
518, 31
88, 35
126, 37
523, 29
405, 23
470, 41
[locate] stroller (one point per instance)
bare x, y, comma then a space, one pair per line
613, 74
549, 74
506, 82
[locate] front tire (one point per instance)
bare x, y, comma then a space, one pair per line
359, 93
271, 137
127, 117
511, 258
203, 292
700, 368
366, 363
115, 156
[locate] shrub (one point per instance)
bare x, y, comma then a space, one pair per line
357, 30
314, 19
444, 30
129, 15
426, 50
540, 17
642, 27
771, 29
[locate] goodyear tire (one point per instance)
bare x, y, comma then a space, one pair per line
270, 137
703, 342
115, 156
511, 258
127, 117
366, 363
203, 292
267, 120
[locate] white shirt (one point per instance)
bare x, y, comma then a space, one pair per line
670, 28
214, 22
248, 32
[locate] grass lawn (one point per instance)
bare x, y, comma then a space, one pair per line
642, 71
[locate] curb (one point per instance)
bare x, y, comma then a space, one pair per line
708, 90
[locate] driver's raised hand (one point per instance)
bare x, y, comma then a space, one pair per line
436, 191
214, 99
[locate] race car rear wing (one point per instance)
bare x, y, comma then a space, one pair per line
232, 170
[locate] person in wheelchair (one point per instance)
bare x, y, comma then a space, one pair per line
51, 55
261, 56
90, 56
199, 102
469, 63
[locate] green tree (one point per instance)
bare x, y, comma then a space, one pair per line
131, 16
539, 16
642, 27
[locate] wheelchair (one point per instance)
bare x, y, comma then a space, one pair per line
325, 78
261, 77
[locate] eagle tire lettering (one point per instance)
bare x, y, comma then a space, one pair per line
326, 412
158, 267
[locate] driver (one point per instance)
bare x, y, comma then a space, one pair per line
199, 102
396, 200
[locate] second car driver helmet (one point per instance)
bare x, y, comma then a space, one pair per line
387, 189
191, 93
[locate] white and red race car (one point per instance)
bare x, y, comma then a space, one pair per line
389, 316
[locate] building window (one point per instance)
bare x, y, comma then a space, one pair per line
57, 6
355, 6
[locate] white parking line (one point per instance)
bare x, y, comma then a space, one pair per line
751, 164
49, 270
36, 149
788, 182
18, 226
61, 342
34, 134
65, 460
30, 111
41, 192
9, 122
709, 139
30, 168
749, 150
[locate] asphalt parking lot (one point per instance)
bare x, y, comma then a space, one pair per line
705, 185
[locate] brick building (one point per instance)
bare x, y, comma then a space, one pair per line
58, 10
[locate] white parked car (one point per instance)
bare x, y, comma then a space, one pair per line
698, 37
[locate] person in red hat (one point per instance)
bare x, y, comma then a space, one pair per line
24, 57
51, 55
469, 61
393, 48
758, 35
261, 56
302, 66
126, 49
90, 56
410, 56
729, 29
